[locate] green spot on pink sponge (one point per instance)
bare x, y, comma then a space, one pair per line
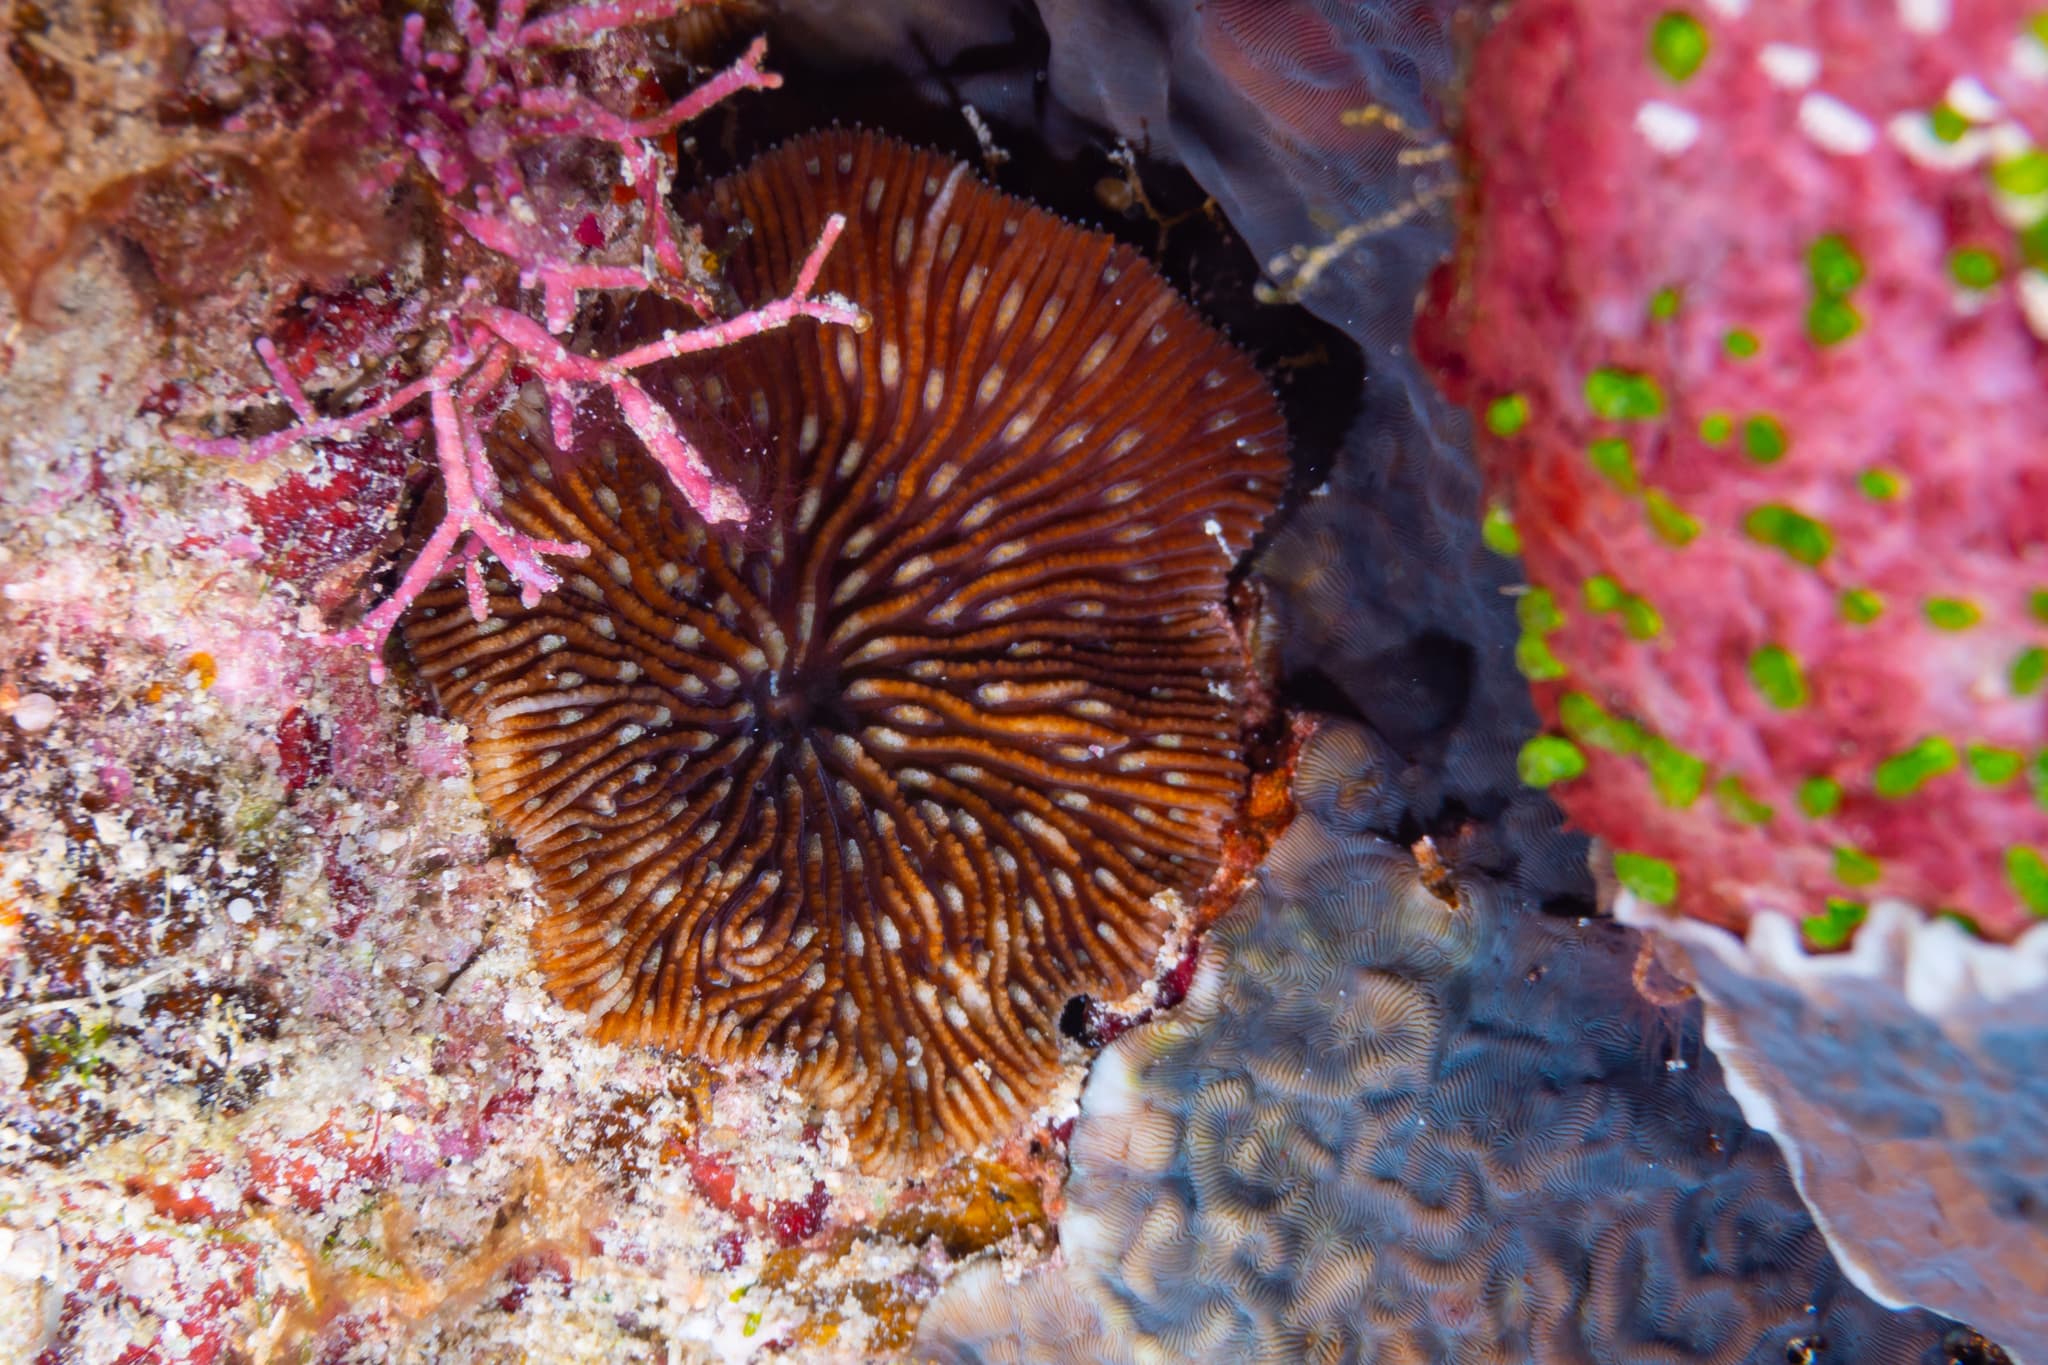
1776, 672
1655, 880
1854, 867
1991, 765
1623, 395
1819, 797
2029, 671
1790, 530
1507, 415
1549, 759
1833, 926
2027, 870
1953, 613
1908, 770
1678, 45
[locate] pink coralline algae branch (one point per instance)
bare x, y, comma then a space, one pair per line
461, 139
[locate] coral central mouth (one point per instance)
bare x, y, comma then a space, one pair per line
803, 701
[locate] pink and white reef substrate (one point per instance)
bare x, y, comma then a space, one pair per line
281, 1081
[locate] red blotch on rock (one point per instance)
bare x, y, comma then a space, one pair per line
798, 1220
301, 748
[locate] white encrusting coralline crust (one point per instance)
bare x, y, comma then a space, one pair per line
1834, 126
2034, 301
1902, 1077
1925, 17
1789, 65
1667, 127
427, 1159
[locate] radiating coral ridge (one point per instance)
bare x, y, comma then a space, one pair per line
948, 735
1400, 1118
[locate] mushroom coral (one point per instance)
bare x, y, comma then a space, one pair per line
951, 732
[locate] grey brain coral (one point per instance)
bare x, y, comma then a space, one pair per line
1387, 1127
945, 737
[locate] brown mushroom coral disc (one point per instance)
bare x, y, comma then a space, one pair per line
951, 731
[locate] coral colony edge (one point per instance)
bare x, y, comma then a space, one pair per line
1196, 680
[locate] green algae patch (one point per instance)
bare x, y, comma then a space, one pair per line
1537, 612
1669, 521
1549, 759
1678, 776
1653, 879
1678, 45
1834, 269
2029, 671
1993, 766
1764, 439
1776, 673
1592, 723
1830, 322
1616, 461
1861, 606
1739, 804
2027, 870
1537, 661
1497, 530
1638, 617
1623, 395
1507, 415
1952, 613
1909, 770
1833, 265
1974, 268
1833, 927
2024, 175
1854, 867
1786, 528
1820, 797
